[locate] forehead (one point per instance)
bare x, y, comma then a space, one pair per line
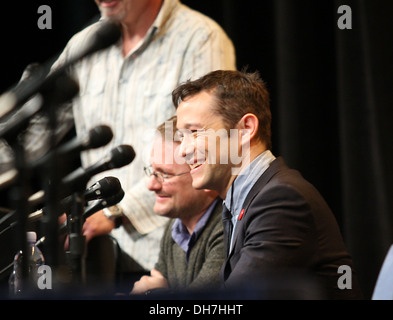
197, 111
165, 154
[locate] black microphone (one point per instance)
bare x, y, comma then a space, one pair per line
105, 34
97, 206
120, 156
103, 203
31, 73
104, 188
97, 137
60, 90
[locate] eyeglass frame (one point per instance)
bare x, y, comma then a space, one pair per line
160, 176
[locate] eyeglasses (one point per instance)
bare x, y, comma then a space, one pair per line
161, 176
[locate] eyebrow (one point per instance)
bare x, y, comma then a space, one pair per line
190, 125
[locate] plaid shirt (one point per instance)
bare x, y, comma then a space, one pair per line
132, 95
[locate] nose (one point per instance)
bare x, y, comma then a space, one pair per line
153, 183
187, 148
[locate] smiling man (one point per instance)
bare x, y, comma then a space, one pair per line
128, 86
277, 223
192, 248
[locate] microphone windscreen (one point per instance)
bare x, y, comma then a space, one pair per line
122, 155
62, 89
106, 187
109, 185
100, 136
106, 34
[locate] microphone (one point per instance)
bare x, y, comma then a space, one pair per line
7, 178
120, 156
103, 203
97, 206
31, 72
105, 34
106, 187
97, 137
58, 91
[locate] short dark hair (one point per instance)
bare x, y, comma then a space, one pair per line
236, 93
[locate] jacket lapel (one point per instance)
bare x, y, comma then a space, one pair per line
274, 168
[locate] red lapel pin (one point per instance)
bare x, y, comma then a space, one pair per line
241, 214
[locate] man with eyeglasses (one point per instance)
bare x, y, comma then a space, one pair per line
192, 247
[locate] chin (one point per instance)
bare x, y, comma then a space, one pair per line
114, 17
113, 13
163, 212
198, 183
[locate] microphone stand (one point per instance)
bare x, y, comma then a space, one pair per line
77, 241
51, 180
63, 89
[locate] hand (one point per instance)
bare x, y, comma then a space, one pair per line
96, 225
154, 281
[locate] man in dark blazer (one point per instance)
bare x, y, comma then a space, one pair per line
279, 228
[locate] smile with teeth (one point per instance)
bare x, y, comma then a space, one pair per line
196, 164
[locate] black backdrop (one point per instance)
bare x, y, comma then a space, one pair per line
331, 93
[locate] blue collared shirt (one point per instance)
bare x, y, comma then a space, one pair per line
181, 235
243, 183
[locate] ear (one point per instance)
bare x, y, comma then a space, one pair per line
248, 126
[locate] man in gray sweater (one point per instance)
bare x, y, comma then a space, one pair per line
192, 247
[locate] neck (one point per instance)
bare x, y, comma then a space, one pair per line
190, 221
256, 148
134, 30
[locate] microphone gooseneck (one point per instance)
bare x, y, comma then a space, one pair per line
119, 157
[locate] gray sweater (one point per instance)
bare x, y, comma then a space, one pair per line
205, 260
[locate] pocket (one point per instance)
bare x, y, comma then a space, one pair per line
94, 87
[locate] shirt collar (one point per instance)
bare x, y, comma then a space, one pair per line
243, 183
165, 12
163, 15
181, 235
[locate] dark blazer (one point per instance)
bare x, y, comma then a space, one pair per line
288, 229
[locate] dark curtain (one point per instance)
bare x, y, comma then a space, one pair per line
364, 73
334, 96
331, 95
332, 104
